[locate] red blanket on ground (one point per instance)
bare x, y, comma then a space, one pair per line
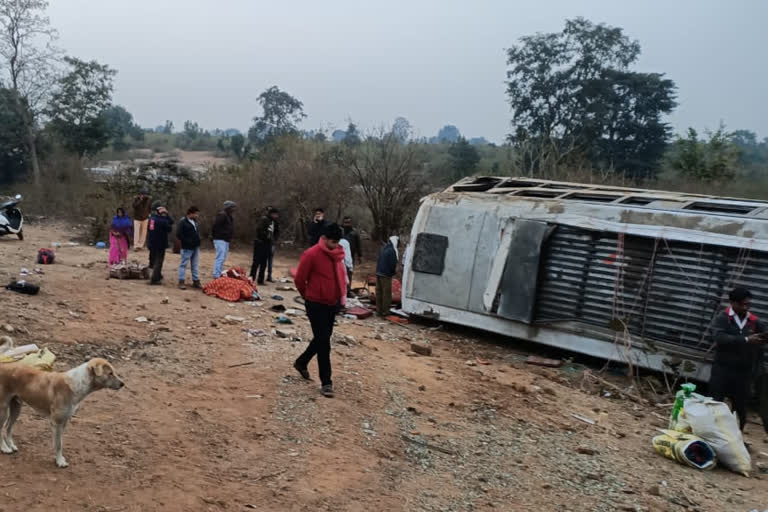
233, 286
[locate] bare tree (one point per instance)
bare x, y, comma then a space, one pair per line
29, 56
390, 176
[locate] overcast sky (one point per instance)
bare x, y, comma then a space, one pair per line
434, 62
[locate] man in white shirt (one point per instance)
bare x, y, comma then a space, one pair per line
348, 263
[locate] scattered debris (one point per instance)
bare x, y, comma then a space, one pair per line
8, 328
249, 363
257, 333
543, 361
277, 297
229, 319
428, 445
284, 289
278, 308
421, 348
584, 419
142, 319
285, 333
283, 320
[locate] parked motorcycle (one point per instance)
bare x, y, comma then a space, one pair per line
11, 219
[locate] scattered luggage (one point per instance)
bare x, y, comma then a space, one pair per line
45, 256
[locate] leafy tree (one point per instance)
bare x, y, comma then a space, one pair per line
13, 145
167, 128
464, 158
29, 58
78, 105
192, 130
401, 129
237, 145
752, 153
705, 160
447, 133
573, 95
352, 136
120, 125
280, 116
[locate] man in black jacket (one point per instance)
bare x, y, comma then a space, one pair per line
160, 224
262, 246
740, 340
188, 233
316, 226
275, 237
223, 229
353, 237
386, 268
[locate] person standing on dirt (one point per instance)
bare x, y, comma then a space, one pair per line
386, 268
188, 233
141, 209
160, 225
740, 339
262, 245
316, 226
353, 236
275, 236
223, 230
321, 281
349, 264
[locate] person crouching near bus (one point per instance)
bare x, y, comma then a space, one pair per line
740, 340
321, 279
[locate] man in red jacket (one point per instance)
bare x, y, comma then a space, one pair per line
321, 279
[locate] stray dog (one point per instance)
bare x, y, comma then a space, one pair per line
56, 395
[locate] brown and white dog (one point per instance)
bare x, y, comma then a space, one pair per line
56, 395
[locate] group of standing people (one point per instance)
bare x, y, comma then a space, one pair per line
323, 276
151, 226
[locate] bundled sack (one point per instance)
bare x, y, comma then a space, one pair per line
686, 449
714, 422
30, 355
45, 256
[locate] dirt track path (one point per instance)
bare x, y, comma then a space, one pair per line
404, 433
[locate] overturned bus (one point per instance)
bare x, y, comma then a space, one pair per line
628, 275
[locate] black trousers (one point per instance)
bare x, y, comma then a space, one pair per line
261, 252
156, 259
321, 318
733, 384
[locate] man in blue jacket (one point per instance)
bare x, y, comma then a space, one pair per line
160, 225
386, 268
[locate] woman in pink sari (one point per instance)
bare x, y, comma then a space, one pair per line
120, 235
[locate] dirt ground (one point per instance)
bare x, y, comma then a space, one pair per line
470, 428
